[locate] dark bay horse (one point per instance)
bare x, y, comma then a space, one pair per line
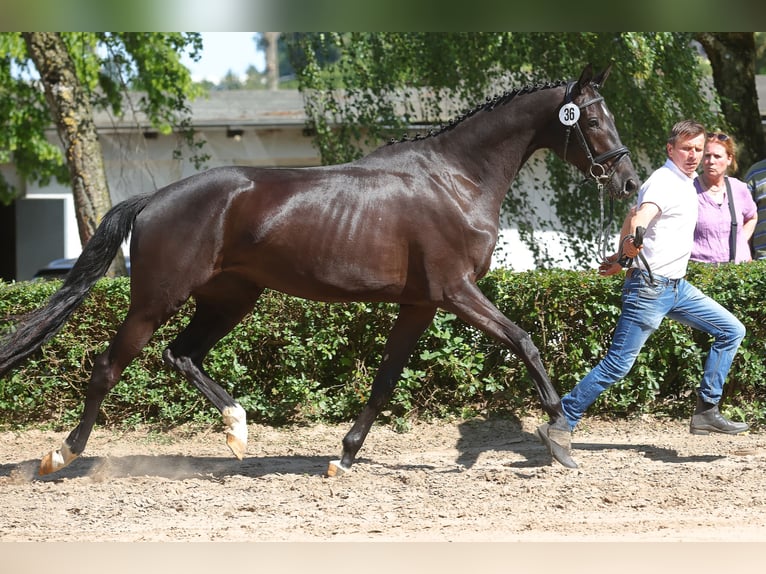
413, 223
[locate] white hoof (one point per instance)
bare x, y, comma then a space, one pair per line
235, 420
336, 469
56, 460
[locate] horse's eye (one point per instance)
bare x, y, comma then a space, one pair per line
592, 122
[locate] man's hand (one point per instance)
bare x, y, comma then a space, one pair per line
629, 248
609, 266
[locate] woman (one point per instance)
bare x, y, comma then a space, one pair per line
714, 221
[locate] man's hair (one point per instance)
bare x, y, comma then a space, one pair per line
685, 129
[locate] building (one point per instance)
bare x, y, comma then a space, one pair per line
247, 127
240, 127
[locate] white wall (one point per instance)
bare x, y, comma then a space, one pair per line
136, 164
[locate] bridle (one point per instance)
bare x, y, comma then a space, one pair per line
597, 171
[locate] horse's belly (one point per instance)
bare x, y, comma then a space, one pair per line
327, 278
335, 287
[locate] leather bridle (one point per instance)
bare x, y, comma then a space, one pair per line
597, 171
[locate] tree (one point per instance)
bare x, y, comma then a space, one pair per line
71, 110
391, 80
254, 80
732, 58
276, 47
271, 41
62, 77
760, 52
230, 81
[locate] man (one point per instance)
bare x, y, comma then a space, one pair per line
756, 181
655, 288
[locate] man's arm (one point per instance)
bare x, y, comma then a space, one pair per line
749, 227
636, 217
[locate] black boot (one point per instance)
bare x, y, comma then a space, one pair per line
707, 418
558, 438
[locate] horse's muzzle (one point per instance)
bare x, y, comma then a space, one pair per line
629, 187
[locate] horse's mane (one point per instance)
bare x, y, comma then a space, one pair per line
488, 105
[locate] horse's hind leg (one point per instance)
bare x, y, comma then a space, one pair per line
210, 323
470, 304
131, 337
234, 416
409, 325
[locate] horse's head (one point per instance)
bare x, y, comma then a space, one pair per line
590, 140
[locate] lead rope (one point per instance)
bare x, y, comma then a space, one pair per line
605, 228
606, 225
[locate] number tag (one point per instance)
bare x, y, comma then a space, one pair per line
569, 114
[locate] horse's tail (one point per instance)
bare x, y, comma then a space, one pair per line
36, 327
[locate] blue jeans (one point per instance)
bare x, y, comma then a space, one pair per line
643, 308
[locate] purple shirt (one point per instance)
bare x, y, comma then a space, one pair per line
711, 235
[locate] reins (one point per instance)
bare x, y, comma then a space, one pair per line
638, 241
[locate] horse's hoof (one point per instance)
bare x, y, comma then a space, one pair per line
336, 469
47, 465
235, 419
56, 460
236, 445
558, 443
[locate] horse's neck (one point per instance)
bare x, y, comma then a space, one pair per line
496, 143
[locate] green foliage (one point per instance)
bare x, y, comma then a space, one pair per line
393, 80
293, 360
25, 116
107, 64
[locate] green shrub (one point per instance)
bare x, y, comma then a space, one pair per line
293, 360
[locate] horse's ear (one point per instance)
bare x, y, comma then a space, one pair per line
601, 78
586, 77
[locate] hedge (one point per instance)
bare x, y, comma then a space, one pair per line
294, 361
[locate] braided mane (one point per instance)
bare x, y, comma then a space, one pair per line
488, 105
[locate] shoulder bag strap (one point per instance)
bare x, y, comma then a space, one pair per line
733, 232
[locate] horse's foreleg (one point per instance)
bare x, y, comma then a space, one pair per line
474, 308
409, 325
107, 368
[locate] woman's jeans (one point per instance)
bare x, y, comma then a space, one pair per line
643, 308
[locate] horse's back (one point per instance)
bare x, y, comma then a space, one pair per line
177, 237
379, 228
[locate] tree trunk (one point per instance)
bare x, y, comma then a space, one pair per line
732, 57
272, 59
71, 112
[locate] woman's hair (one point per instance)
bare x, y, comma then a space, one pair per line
729, 145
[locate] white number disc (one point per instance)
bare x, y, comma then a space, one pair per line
569, 114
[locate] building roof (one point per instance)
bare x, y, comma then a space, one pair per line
265, 108
250, 107
224, 108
